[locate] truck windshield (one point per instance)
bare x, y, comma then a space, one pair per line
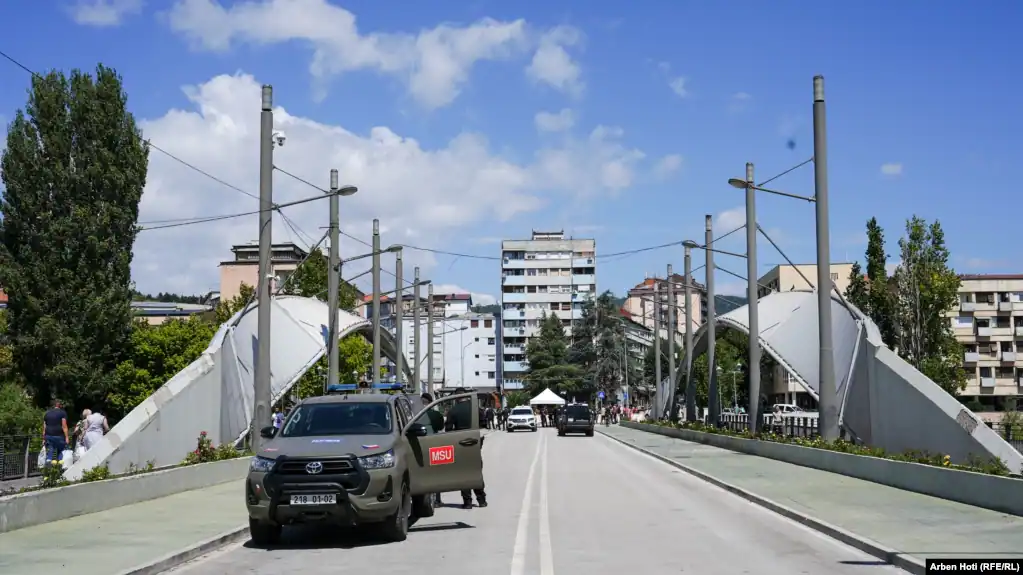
319, 419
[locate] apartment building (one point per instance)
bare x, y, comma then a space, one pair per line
464, 351
790, 277
546, 274
639, 339
640, 303
989, 324
244, 268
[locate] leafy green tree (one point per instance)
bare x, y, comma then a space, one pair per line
598, 343
356, 359
858, 293
156, 354
547, 355
926, 289
74, 169
18, 414
882, 304
516, 398
228, 308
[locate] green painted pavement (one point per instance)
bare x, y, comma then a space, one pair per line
116, 540
913, 524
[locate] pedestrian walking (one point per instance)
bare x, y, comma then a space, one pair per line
459, 418
55, 432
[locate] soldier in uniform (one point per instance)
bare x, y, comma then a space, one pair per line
460, 417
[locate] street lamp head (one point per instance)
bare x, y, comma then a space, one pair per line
347, 191
737, 183
691, 244
425, 282
393, 249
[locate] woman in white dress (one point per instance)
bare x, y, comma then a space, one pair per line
95, 426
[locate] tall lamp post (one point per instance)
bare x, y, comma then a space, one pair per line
689, 245
827, 388
398, 312
261, 389
334, 278
417, 384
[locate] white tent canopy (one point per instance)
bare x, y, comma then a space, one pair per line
547, 397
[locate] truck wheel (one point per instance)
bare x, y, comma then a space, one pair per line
264, 534
395, 527
589, 433
422, 506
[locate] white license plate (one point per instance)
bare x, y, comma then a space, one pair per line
314, 499
571, 420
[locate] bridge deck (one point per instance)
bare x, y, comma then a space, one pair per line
910, 523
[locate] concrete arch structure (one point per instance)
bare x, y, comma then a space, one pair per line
885, 401
215, 392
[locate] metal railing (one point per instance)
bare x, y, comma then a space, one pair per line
788, 425
1011, 433
19, 456
803, 426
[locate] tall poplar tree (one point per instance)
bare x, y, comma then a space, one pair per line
73, 171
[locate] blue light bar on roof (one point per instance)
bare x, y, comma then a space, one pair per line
391, 386
339, 387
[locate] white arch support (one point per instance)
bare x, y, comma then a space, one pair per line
886, 403
215, 392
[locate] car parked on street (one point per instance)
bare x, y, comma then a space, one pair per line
361, 459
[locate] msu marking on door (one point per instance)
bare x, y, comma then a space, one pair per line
444, 455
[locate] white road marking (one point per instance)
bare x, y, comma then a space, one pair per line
518, 562
546, 551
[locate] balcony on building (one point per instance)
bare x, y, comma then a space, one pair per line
513, 297
513, 280
584, 279
583, 262
984, 327
514, 348
1004, 304
971, 357
515, 366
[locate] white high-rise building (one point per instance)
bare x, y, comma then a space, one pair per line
464, 351
546, 274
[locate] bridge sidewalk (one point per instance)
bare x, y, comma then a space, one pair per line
912, 525
122, 539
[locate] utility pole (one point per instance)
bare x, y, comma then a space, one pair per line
713, 405
827, 390
399, 318
429, 340
261, 391
657, 351
672, 329
333, 284
753, 304
690, 383
417, 384
375, 375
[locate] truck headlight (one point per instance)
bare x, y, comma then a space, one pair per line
378, 461
261, 464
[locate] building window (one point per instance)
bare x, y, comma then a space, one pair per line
474, 323
477, 374
834, 277
963, 321
476, 339
488, 323
490, 375
490, 341
477, 356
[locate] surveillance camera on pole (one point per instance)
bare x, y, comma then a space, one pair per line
280, 138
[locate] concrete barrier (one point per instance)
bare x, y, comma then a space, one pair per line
1004, 494
46, 505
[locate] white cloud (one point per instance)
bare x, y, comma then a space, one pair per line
549, 122
103, 12
477, 298
422, 196
730, 219
678, 85
553, 65
668, 165
891, 169
739, 102
435, 63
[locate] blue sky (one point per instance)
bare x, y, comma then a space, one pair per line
927, 92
